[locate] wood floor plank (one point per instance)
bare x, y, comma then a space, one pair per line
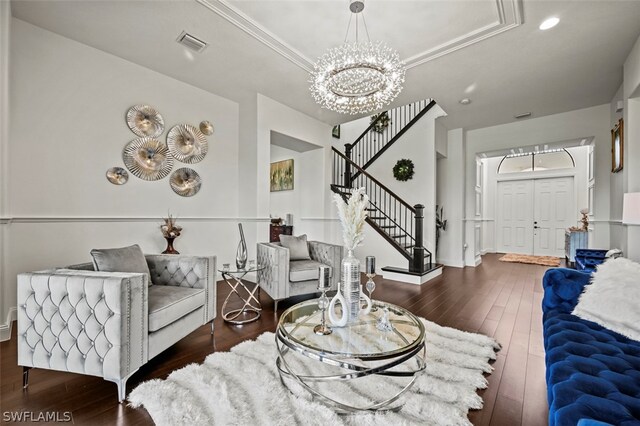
499, 299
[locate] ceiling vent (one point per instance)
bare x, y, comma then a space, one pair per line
523, 115
191, 42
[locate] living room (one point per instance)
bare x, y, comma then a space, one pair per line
495, 100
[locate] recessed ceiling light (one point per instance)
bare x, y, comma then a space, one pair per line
549, 23
465, 101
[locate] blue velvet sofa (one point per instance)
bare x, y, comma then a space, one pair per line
593, 374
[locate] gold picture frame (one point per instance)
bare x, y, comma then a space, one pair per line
281, 176
617, 147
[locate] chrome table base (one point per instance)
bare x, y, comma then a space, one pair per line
251, 302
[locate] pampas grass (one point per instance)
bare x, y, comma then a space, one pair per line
352, 215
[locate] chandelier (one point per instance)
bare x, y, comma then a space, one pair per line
357, 77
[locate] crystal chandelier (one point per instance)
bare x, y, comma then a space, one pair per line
357, 77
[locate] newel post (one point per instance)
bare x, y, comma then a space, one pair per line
417, 264
347, 173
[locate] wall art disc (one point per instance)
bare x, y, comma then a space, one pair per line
147, 158
117, 175
185, 182
144, 121
187, 144
206, 127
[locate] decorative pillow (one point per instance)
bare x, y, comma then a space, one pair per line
298, 248
125, 259
613, 297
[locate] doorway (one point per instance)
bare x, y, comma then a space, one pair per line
533, 214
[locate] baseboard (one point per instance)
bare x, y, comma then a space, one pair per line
5, 329
451, 263
403, 275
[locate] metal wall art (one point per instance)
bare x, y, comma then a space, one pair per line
117, 175
206, 127
187, 144
144, 121
185, 182
147, 158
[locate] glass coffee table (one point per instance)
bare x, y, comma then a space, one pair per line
351, 355
251, 307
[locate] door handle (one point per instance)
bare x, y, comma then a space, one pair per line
535, 227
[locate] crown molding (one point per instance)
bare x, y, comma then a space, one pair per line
508, 16
241, 20
506, 20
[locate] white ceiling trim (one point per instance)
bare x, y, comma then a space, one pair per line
505, 21
257, 31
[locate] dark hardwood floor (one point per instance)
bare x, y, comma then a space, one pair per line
498, 299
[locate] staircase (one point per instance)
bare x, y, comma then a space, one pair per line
398, 222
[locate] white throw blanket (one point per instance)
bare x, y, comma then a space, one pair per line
242, 387
613, 297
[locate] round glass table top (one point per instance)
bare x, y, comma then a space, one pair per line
361, 339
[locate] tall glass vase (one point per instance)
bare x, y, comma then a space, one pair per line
241, 252
351, 285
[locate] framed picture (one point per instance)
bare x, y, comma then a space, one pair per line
281, 175
617, 147
336, 132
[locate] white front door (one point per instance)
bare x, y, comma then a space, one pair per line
515, 217
554, 212
532, 215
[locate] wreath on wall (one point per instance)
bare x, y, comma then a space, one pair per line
403, 170
381, 124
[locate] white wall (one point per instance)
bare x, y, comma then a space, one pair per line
570, 125
450, 195
313, 214
617, 185
68, 103
631, 94
419, 145
308, 175
6, 294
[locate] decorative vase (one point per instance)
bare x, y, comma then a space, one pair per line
170, 249
351, 285
352, 293
241, 252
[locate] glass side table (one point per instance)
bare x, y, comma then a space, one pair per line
249, 297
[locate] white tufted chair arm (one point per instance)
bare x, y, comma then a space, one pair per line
186, 271
274, 278
83, 322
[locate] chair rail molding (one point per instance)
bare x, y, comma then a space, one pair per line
71, 219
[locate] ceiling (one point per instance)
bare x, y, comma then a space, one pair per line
490, 51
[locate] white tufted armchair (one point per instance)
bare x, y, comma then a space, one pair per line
109, 324
283, 278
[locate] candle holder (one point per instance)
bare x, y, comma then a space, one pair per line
324, 285
371, 273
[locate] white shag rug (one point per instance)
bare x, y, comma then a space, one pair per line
243, 387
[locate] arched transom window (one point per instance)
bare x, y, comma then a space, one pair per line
536, 161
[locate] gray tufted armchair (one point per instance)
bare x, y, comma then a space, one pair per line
109, 324
283, 278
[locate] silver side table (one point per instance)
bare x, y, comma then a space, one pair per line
396, 352
250, 297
